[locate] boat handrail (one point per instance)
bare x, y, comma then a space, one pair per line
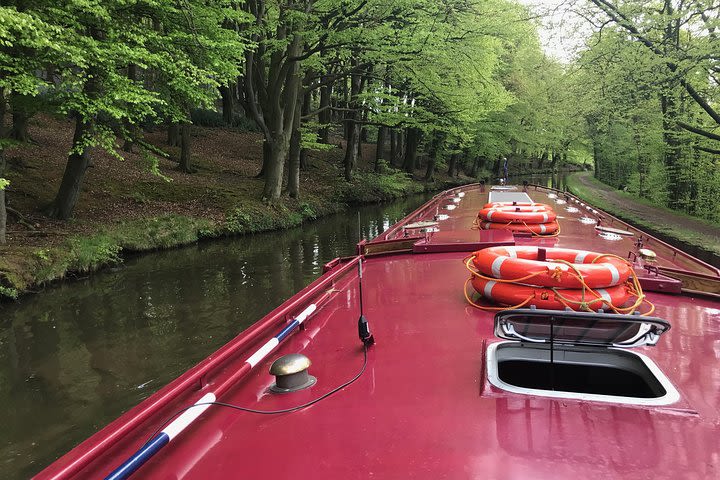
114, 432
422, 209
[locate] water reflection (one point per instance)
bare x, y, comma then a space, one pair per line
555, 180
76, 356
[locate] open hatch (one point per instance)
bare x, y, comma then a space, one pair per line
578, 355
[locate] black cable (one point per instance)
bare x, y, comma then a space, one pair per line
266, 412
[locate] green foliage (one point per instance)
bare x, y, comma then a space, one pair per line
253, 218
369, 187
310, 139
307, 211
42, 254
650, 101
116, 64
165, 231
4, 183
245, 124
206, 118
90, 253
152, 163
8, 292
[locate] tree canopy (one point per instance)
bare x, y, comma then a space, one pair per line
459, 83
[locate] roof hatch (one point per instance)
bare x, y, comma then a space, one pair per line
579, 328
574, 355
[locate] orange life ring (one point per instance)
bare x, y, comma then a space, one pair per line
537, 228
521, 208
517, 204
503, 216
546, 298
515, 262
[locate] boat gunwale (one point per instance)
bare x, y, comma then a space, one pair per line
420, 210
104, 439
631, 227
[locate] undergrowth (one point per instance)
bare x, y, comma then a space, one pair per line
28, 267
369, 187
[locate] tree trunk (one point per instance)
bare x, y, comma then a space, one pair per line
353, 127
324, 117
226, 92
305, 112
265, 159
596, 159
294, 163
3, 215
77, 164
672, 149
3, 212
543, 159
351, 152
453, 164
185, 160
402, 146
20, 118
132, 130
380, 149
173, 132
430, 170
393, 147
437, 142
346, 105
497, 168
277, 150
413, 140
3, 111
475, 167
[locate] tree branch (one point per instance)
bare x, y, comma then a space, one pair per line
699, 131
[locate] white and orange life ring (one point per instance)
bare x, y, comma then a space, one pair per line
536, 228
517, 204
547, 298
526, 208
516, 215
575, 268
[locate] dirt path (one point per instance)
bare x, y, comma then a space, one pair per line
664, 222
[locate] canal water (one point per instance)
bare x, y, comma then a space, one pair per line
552, 180
77, 355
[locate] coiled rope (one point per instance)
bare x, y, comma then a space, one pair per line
588, 295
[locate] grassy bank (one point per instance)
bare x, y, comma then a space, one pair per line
676, 227
126, 208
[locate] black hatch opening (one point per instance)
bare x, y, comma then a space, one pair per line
579, 355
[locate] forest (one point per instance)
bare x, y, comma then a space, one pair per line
454, 86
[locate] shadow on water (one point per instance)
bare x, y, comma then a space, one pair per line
76, 356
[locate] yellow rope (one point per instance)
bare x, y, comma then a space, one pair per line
633, 286
557, 232
492, 309
478, 220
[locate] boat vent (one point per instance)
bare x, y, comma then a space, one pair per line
291, 373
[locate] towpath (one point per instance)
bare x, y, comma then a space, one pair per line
667, 223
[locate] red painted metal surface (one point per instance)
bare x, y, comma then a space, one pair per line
424, 408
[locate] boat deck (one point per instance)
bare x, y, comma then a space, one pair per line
423, 408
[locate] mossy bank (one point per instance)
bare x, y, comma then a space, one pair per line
98, 244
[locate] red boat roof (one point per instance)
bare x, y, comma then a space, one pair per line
424, 406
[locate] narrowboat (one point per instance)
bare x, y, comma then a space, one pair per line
506, 332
